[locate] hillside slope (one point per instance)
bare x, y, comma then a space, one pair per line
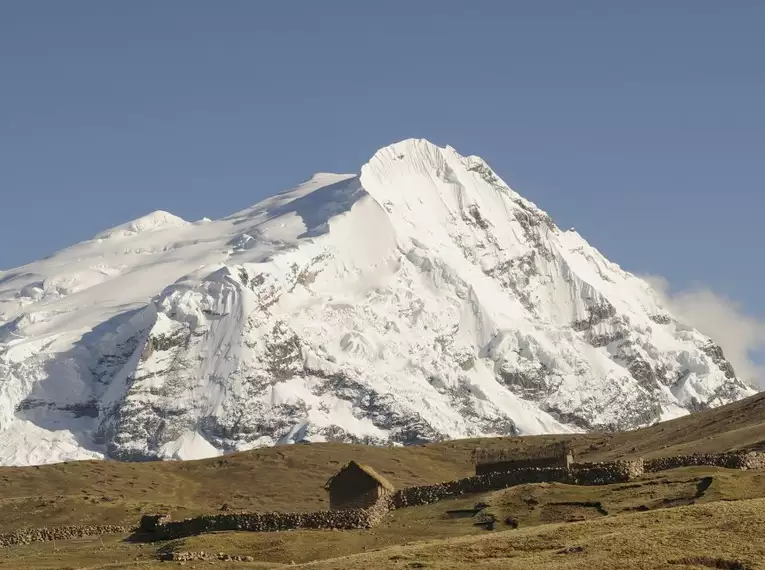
292, 477
418, 301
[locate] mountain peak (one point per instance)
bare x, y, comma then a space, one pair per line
159, 219
420, 300
417, 152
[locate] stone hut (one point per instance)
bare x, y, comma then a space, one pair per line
356, 486
557, 454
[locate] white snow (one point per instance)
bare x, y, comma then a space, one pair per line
151, 222
420, 299
190, 445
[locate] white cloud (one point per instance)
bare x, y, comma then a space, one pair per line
723, 320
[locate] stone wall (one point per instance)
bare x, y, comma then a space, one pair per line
426, 494
45, 534
340, 499
202, 556
486, 466
161, 528
579, 474
607, 472
733, 460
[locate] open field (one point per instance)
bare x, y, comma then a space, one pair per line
716, 535
717, 509
699, 511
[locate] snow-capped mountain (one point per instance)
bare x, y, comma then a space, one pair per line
422, 299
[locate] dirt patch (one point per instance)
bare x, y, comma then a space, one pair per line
638, 509
668, 503
597, 505
572, 511
709, 562
572, 549
461, 513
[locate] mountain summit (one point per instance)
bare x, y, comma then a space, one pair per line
420, 300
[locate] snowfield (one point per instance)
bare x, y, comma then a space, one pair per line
420, 300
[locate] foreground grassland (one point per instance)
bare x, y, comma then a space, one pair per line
632, 525
716, 535
698, 517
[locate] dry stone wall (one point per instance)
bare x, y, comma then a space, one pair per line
426, 494
46, 534
162, 528
607, 472
202, 556
743, 461
579, 474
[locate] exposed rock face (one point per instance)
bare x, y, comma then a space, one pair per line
418, 301
714, 352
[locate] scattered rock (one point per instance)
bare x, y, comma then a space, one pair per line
201, 556
572, 549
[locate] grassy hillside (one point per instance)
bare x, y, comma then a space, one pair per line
716, 535
291, 478
615, 520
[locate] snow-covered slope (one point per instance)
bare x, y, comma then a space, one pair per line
422, 299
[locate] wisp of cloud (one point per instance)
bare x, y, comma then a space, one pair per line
723, 320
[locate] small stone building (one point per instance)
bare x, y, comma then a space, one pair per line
557, 454
356, 486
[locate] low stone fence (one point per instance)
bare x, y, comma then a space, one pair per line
162, 528
607, 472
426, 494
202, 556
46, 534
743, 461
579, 474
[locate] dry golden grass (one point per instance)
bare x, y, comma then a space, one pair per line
407, 535
530, 505
290, 478
725, 531
286, 478
740, 425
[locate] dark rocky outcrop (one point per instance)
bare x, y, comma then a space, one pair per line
715, 352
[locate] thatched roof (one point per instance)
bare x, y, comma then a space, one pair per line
382, 481
499, 454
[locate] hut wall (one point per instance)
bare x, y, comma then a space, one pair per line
353, 489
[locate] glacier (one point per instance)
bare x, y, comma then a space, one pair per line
420, 300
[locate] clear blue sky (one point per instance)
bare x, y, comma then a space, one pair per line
639, 123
